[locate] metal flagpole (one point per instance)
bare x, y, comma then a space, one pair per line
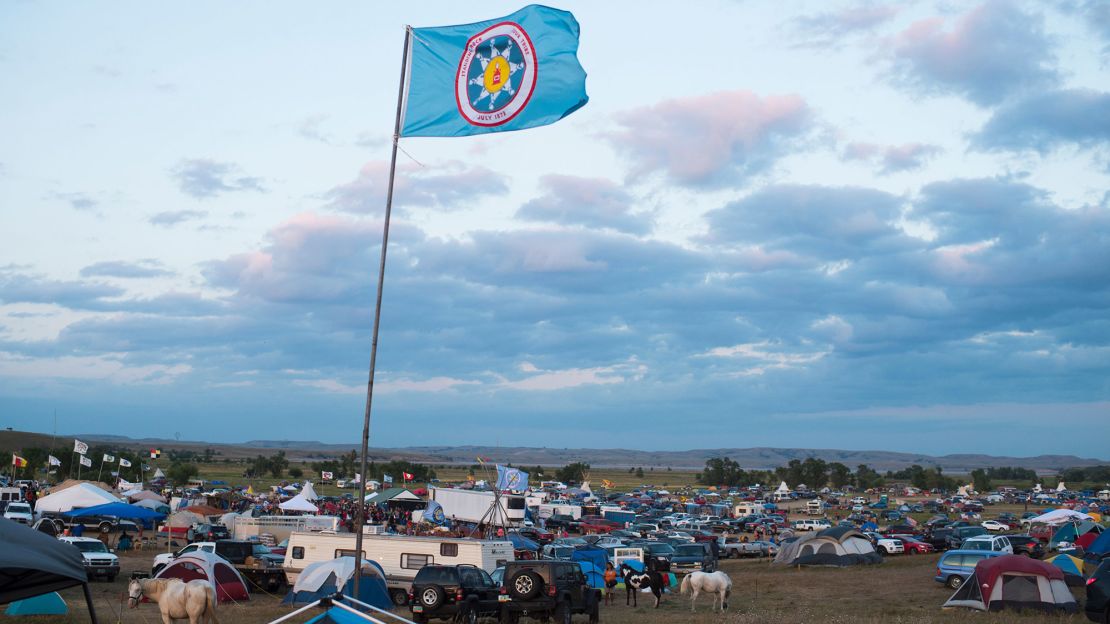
360, 515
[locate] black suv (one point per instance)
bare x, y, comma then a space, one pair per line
1026, 545
463, 592
207, 533
547, 589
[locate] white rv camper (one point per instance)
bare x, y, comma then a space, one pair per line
400, 556
477, 506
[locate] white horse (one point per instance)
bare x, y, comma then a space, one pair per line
717, 583
177, 600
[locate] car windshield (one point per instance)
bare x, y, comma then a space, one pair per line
91, 547
19, 508
659, 549
689, 551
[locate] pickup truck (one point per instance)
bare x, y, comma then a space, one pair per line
598, 525
733, 548
812, 524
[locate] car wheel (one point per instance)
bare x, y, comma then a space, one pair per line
954, 582
562, 613
432, 596
105, 527
400, 598
525, 585
468, 614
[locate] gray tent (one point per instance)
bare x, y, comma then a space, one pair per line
837, 546
33, 563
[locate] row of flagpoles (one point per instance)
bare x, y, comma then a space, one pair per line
80, 452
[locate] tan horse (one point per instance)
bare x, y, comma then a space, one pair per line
177, 600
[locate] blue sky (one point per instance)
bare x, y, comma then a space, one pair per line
818, 224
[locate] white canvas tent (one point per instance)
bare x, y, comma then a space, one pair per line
1061, 487
782, 489
309, 492
158, 474
77, 497
298, 503
1060, 516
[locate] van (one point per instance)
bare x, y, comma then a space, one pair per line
955, 566
400, 556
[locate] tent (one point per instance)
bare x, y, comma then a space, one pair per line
1072, 568
837, 546
1061, 487
142, 495
1085, 540
1014, 582
1100, 546
184, 519
80, 495
298, 503
206, 566
309, 492
592, 561
158, 474
321, 580
150, 503
33, 563
44, 604
1072, 531
205, 510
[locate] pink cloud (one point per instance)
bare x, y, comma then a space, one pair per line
711, 139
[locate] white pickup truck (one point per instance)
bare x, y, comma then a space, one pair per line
812, 524
164, 559
19, 512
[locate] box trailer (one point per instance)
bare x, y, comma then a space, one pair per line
400, 556
547, 510
281, 527
476, 505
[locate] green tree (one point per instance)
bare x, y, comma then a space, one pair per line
722, 471
575, 472
639, 473
867, 478
296, 472
980, 479
181, 472
278, 464
839, 475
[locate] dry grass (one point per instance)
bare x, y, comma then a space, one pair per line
901, 590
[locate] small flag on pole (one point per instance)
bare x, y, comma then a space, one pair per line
511, 73
123, 463
108, 458
155, 453
80, 447
387, 479
407, 476
53, 461
18, 461
86, 462
325, 475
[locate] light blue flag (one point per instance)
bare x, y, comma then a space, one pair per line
511, 479
434, 513
511, 73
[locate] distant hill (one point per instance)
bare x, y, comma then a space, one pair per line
749, 458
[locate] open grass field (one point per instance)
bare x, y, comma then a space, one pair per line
901, 590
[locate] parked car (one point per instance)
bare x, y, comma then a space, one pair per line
207, 533
19, 512
547, 590
888, 545
161, 560
994, 543
1026, 545
959, 534
537, 535
1098, 594
955, 566
657, 555
994, 525
914, 546
697, 557
811, 524
557, 552
99, 561
462, 593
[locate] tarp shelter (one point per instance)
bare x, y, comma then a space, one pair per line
80, 495
153, 504
117, 510
206, 566
399, 497
837, 546
298, 503
522, 543
1014, 582
184, 519
309, 492
1060, 516
323, 578
33, 563
1072, 568
44, 604
205, 510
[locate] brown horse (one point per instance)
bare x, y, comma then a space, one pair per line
177, 600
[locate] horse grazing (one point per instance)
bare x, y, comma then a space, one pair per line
635, 581
717, 583
177, 600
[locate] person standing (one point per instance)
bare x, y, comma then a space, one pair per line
610, 577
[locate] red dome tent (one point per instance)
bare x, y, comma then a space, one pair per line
229, 585
1014, 582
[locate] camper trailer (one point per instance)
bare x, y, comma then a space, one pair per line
815, 507
746, 509
477, 506
547, 510
400, 556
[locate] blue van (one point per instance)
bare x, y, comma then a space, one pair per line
956, 565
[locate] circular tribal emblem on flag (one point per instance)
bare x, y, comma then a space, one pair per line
497, 74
